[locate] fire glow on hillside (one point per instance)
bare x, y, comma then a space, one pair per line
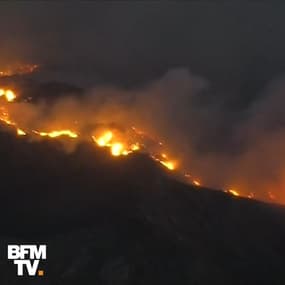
18, 69
112, 139
119, 143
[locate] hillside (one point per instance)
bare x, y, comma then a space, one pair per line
127, 221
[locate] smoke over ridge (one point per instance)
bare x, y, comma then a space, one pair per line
224, 150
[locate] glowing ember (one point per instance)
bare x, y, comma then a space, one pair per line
196, 182
20, 132
271, 195
135, 147
4, 117
7, 121
8, 94
233, 192
171, 165
250, 195
125, 152
168, 164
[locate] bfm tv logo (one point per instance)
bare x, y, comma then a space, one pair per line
27, 257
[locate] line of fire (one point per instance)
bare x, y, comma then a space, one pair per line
120, 143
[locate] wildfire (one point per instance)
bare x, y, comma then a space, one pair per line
196, 182
18, 69
135, 147
54, 134
233, 192
4, 117
104, 139
117, 148
169, 164
162, 159
8, 94
192, 180
119, 143
20, 132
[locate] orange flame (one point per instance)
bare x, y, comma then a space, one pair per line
20, 132
117, 148
168, 164
54, 134
233, 192
104, 140
8, 94
117, 144
196, 182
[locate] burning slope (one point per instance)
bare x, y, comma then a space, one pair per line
154, 229
120, 141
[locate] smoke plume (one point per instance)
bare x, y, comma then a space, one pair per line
206, 136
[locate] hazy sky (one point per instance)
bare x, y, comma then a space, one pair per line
227, 42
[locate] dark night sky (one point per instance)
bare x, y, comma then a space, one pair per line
227, 42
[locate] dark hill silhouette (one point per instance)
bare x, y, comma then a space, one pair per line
126, 220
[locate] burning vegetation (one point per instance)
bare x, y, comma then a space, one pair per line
8, 94
120, 142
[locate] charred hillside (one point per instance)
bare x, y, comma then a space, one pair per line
117, 220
